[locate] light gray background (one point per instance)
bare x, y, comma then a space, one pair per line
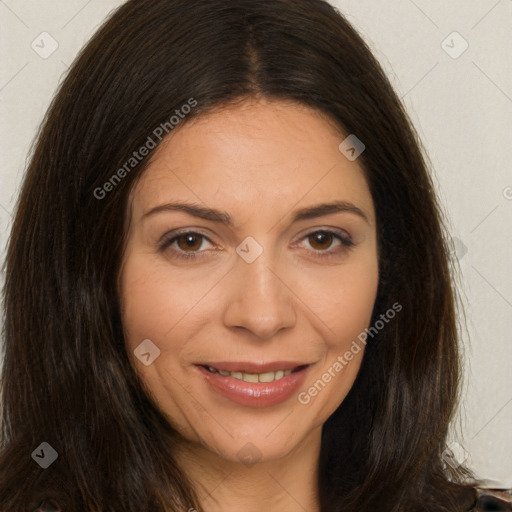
461, 105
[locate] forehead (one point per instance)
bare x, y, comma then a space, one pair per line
253, 156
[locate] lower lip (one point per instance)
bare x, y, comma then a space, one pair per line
256, 394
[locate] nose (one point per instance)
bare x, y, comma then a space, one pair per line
259, 299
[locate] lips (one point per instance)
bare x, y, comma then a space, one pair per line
255, 384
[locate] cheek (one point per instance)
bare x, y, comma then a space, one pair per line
154, 293
150, 306
344, 299
144, 313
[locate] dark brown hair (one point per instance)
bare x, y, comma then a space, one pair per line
67, 379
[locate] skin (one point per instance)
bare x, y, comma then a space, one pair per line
259, 162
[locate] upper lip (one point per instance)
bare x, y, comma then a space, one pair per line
254, 367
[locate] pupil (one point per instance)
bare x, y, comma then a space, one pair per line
189, 241
322, 238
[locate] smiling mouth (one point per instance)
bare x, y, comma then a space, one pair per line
269, 376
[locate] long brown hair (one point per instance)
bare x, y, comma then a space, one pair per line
67, 379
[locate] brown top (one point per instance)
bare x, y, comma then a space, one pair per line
487, 500
493, 500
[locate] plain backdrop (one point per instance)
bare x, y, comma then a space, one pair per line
450, 62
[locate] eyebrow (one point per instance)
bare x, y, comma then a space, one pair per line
225, 218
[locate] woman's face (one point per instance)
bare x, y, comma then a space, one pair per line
267, 285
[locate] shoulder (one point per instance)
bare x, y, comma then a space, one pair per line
492, 500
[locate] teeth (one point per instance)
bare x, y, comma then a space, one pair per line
253, 377
266, 377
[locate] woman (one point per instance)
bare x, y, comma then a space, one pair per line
227, 284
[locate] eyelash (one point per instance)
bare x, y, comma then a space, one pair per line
346, 243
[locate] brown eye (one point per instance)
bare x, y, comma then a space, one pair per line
321, 240
323, 243
187, 245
